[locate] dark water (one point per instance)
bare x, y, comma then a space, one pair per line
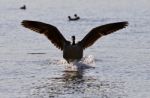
31, 67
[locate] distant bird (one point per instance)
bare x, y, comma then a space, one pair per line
23, 7
72, 50
73, 19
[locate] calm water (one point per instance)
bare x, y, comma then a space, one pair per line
30, 65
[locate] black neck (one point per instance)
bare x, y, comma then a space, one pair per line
73, 40
69, 17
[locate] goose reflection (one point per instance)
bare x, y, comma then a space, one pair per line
74, 84
73, 75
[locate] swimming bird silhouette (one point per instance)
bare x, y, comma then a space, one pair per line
74, 19
72, 51
23, 7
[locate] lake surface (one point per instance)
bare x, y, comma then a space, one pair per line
31, 67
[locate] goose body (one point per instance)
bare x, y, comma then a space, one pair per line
72, 50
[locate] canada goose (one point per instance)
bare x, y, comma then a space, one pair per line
72, 51
23, 7
73, 19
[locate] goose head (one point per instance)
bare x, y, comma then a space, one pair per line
73, 40
75, 15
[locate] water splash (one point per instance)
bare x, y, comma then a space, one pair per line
85, 63
88, 60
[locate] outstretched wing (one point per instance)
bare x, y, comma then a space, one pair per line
100, 31
51, 32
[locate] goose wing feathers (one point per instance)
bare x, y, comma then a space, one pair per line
100, 31
51, 32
